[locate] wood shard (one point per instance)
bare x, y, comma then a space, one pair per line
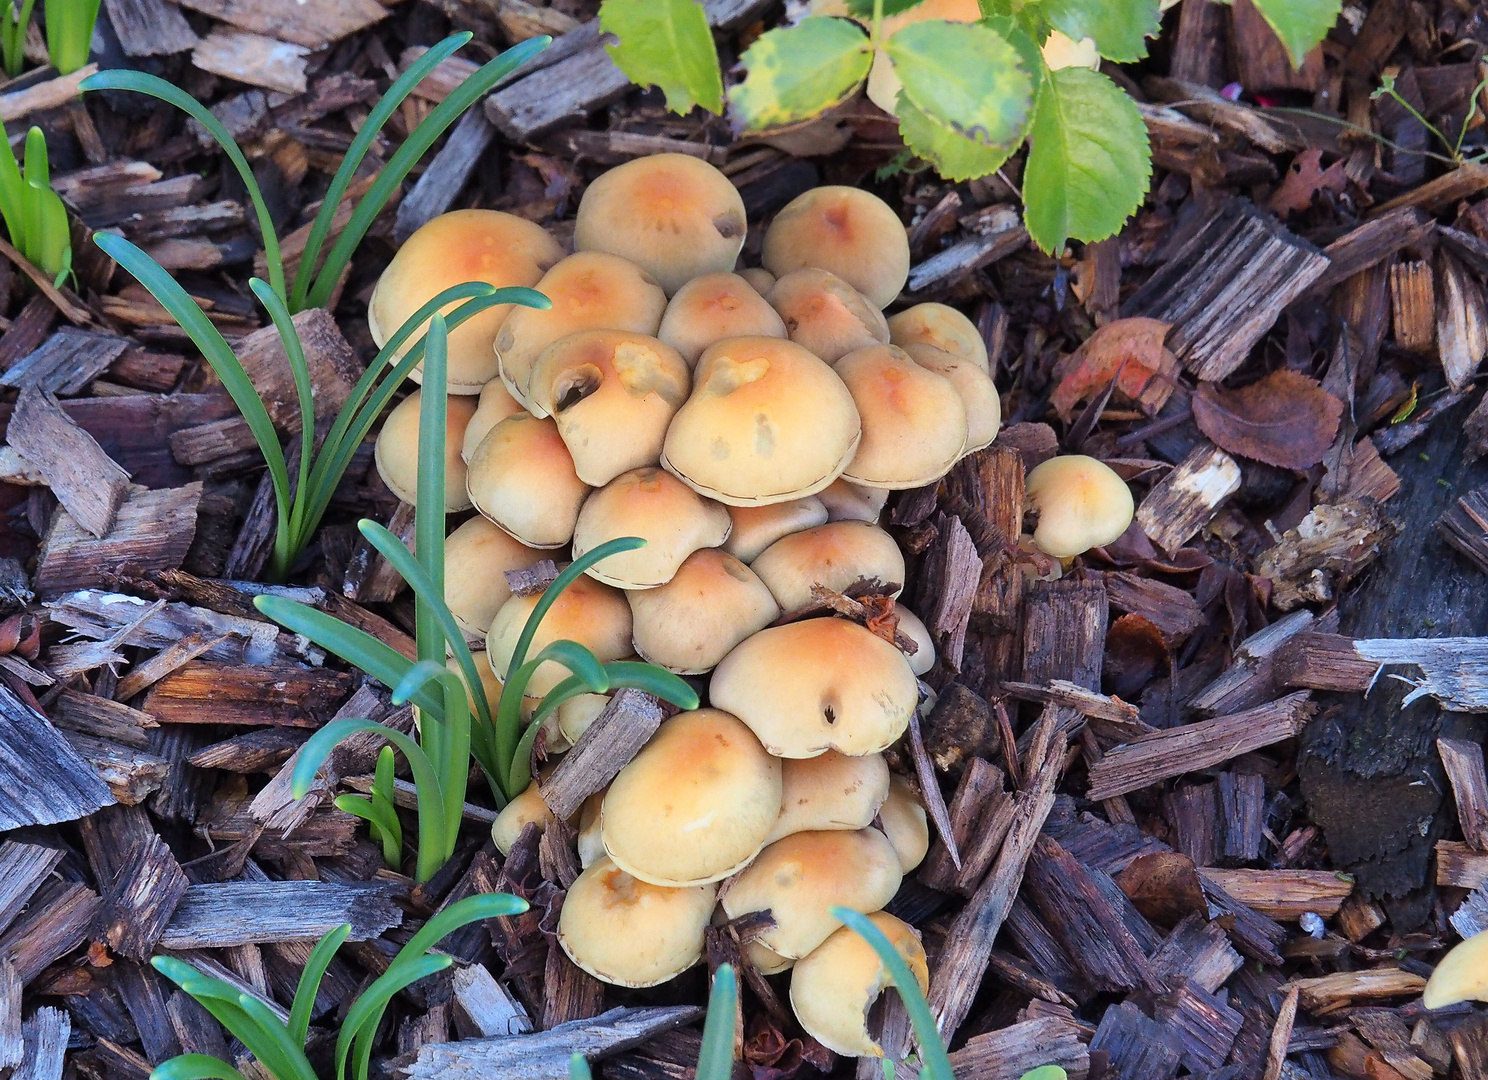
67, 362
45, 779
1008, 1053
1285, 894
87, 482
248, 694
1460, 865
253, 59
1341, 987
617, 734
139, 903
1186, 500
241, 913
1463, 761
1413, 304
153, 531
1461, 322
150, 27
332, 363
1327, 549
311, 23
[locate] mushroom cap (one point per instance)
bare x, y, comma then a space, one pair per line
832, 791
836, 555
626, 932
914, 422
1081, 504
589, 843
577, 713
488, 680
713, 307
674, 215
846, 501
912, 627
522, 477
767, 422
695, 805
759, 278
825, 314
396, 451
940, 326
463, 245
594, 615
673, 519
495, 405
905, 823
612, 394
801, 877
525, 809
757, 527
1462, 975
817, 685
832, 989
978, 392
766, 960
477, 556
712, 603
591, 290
849, 231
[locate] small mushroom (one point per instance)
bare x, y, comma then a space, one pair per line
801, 877
713, 307
1081, 503
766, 960
846, 501
526, 809
817, 685
831, 791
849, 231
673, 215
1462, 975
577, 713
978, 392
522, 477
626, 932
836, 556
759, 278
612, 395
832, 989
396, 450
673, 519
904, 822
825, 314
767, 422
591, 290
757, 527
712, 603
477, 556
695, 805
940, 326
910, 625
590, 843
914, 422
463, 245
495, 405
594, 615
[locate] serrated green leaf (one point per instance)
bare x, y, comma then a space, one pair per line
1045, 1072
796, 72
863, 9
1089, 163
1120, 27
965, 77
953, 155
666, 43
1300, 24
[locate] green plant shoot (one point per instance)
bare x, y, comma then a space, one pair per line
379, 810
33, 212
14, 21
69, 32
716, 1055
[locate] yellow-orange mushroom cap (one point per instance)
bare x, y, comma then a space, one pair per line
477, 556
588, 612
522, 477
942, 327
825, 314
905, 823
836, 555
978, 392
495, 405
760, 278
1462, 975
712, 603
713, 307
527, 808
757, 527
914, 421
673, 519
846, 501
851, 232
1081, 503
396, 450
829, 792
911, 626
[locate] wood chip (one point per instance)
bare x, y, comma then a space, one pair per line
1285, 894
1342, 987
23, 867
42, 96
66, 362
240, 913
254, 694
87, 482
332, 363
150, 27
139, 902
1189, 497
445, 175
617, 734
253, 59
47, 780
311, 23
1463, 761
153, 531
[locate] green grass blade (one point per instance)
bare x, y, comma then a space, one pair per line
383, 824
13, 35
195, 1067
310, 977
293, 1063
222, 1001
656, 681
519, 775
139, 81
509, 730
569, 688
578, 1068
461, 913
361, 1023
12, 195
386, 806
429, 513
716, 1058
407, 155
300, 369
69, 35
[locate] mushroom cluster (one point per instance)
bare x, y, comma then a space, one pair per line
749, 425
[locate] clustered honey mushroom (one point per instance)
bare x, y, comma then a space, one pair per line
749, 424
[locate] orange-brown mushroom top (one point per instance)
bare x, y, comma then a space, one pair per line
851, 232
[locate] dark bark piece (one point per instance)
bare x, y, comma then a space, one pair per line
981, 787
258, 751
23, 867
332, 363
1198, 49
86, 481
218, 916
1001, 238
248, 694
132, 775
187, 788
212, 441
57, 923
104, 719
145, 994
1065, 632
569, 992
1470, 1047
1446, 190
445, 175
66, 362
153, 531
150, 27
1463, 761
1465, 527
1136, 1048
1242, 802
31, 327
629, 719
1203, 1025
1253, 934
1250, 680
110, 835
1196, 950
1172, 610
370, 578
138, 904
1372, 242
45, 779
45, 1036
1008, 1053
1193, 812
953, 571
961, 725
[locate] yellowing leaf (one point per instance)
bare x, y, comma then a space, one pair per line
1300, 24
796, 72
666, 43
965, 77
1120, 27
953, 155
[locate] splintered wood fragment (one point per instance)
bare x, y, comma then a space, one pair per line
1266, 130
1461, 322
1171, 753
1250, 679
138, 905
104, 719
627, 721
86, 481
23, 867
1281, 1035
153, 531
1186, 500
1445, 191
946, 268
253, 59
1204, 1026
12, 1041
258, 751
930, 794
1326, 550
150, 27
370, 578
1452, 670
1242, 809
332, 363
313, 23
569, 992
45, 779
447, 75
1371, 242
1460, 865
446, 175
132, 775
1284, 894
211, 441
66, 362
1463, 761
953, 571
1008, 1053
1136, 1047
981, 784
129, 620
1197, 950
611, 147
242, 913
248, 694
1327, 992
56, 923
1384, 1030
483, 1007
157, 667
1413, 304
1087, 703
532, 579
1193, 812
42, 96
1465, 527
960, 726
45, 1036
1471, 917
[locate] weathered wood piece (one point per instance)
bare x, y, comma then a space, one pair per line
150, 27
68, 361
333, 365
1283, 894
1460, 865
139, 902
945, 268
442, 180
56, 923
1328, 991
1250, 679
1196, 950
313, 24
483, 1007
45, 779
152, 531
1064, 637
102, 616
1454, 671
1461, 322
952, 573
253, 59
23, 867
45, 1036
212, 441
1465, 527
617, 734
87, 482
1186, 500
1371, 242
1008, 1053
975, 804
104, 719
131, 774
259, 751
242, 913
1463, 761
251, 694
1135, 1047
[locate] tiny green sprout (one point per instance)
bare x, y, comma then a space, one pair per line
13, 24
1045, 1072
33, 212
69, 32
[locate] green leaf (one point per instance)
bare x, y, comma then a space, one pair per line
366, 1012
654, 680
966, 77
954, 156
69, 32
863, 9
1120, 27
382, 822
1300, 24
716, 1058
294, 351
666, 43
429, 511
578, 1068
1045, 1072
314, 971
1089, 163
796, 72
195, 1067
48, 234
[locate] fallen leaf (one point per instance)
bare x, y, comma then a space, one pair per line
1134, 347
1305, 176
1164, 886
1285, 419
1136, 653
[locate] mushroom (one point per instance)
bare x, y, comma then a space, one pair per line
594, 615
942, 327
477, 556
612, 394
978, 392
832, 989
836, 556
396, 451
767, 422
577, 713
526, 809
695, 805
766, 960
831, 791
759, 278
626, 932
673, 519
914, 422
825, 314
713, 307
463, 245
522, 477
757, 527
846, 501
910, 625
801, 877
495, 406
904, 822
849, 231
1462, 975
591, 290
817, 685
673, 215
1081, 503
589, 842
712, 603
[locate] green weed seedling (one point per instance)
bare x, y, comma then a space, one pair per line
69, 32
716, 1056
33, 212
14, 20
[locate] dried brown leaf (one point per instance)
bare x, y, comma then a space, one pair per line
1164, 886
1134, 347
1136, 653
1305, 176
1285, 419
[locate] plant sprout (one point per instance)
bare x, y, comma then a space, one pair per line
33, 212
716, 1056
69, 32
13, 24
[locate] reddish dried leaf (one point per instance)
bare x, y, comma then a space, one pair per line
1285, 419
1304, 178
1136, 653
1134, 347
1164, 886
